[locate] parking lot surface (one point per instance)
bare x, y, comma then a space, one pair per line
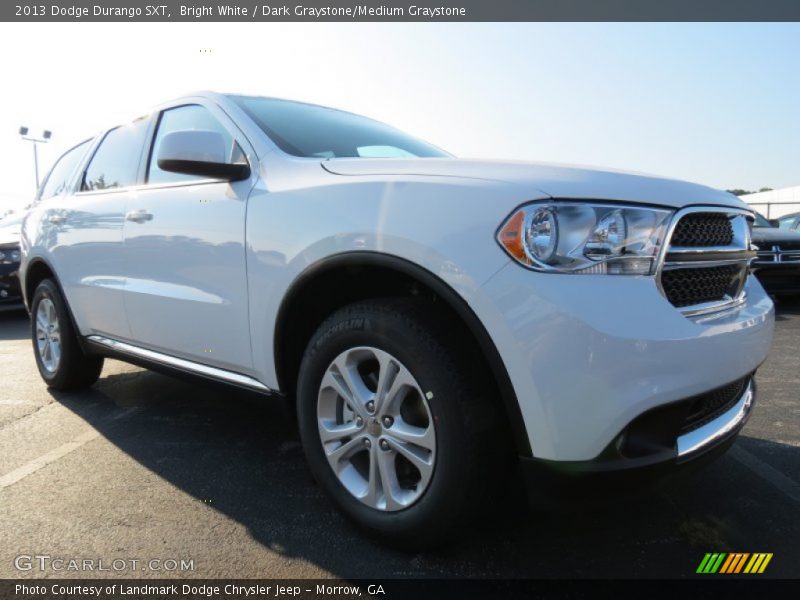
145, 467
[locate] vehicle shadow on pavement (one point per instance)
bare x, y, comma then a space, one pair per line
14, 325
789, 305
238, 454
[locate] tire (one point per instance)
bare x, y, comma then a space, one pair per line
422, 510
65, 366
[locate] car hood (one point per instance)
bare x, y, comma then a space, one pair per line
772, 235
557, 181
10, 232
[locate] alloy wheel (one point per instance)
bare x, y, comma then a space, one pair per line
48, 335
376, 428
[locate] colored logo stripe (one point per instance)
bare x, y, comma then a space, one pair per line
711, 563
758, 563
703, 563
741, 562
726, 565
721, 562
734, 562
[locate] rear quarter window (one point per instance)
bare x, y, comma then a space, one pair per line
60, 175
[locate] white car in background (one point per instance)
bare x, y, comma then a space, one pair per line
434, 319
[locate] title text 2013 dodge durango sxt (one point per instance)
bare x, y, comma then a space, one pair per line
428, 316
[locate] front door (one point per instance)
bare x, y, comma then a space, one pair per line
186, 279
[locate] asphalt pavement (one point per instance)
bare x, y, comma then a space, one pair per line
145, 467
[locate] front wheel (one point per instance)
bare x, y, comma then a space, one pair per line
397, 428
61, 362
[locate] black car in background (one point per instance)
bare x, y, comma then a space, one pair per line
778, 263
10, 292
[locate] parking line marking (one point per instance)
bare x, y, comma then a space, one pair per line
770, 474
45, 459
124, 413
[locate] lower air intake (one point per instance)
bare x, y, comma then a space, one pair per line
691, 286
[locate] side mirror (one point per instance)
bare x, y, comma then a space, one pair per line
775, 222
200, 153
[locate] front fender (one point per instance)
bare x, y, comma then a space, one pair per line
445, 226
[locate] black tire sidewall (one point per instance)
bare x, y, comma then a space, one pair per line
436, 376
47, 290
75, 370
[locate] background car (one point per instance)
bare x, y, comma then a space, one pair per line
791, 221
10, 292
778, 263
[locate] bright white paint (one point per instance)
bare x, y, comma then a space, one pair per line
585, 353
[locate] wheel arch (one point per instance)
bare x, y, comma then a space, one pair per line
37, 270
301, 312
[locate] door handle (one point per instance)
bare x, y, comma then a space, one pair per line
56, 219
139, 216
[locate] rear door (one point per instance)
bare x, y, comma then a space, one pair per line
186, 278
86, 226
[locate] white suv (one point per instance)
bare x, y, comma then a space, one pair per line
435, 320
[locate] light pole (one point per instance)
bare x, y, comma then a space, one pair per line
46, 135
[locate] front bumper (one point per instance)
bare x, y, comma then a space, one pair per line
549, 482
589, 354
10, 290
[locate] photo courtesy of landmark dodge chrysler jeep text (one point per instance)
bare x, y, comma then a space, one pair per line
430, 317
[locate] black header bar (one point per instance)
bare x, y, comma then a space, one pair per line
402, 10
709, 588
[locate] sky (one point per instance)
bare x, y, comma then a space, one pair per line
715, 103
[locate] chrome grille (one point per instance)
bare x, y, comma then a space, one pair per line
688, 287
785, 246
706, 259
782, 252
703, 230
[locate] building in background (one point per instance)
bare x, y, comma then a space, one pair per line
775, 203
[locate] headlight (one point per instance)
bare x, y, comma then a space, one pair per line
577, 237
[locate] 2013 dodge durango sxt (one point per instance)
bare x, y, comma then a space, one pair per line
430, 317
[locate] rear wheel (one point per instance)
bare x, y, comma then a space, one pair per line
61, 362
396, 426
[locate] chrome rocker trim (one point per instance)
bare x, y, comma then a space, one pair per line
180, 363
714, 430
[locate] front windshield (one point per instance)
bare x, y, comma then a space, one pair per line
761, 221
313, 131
